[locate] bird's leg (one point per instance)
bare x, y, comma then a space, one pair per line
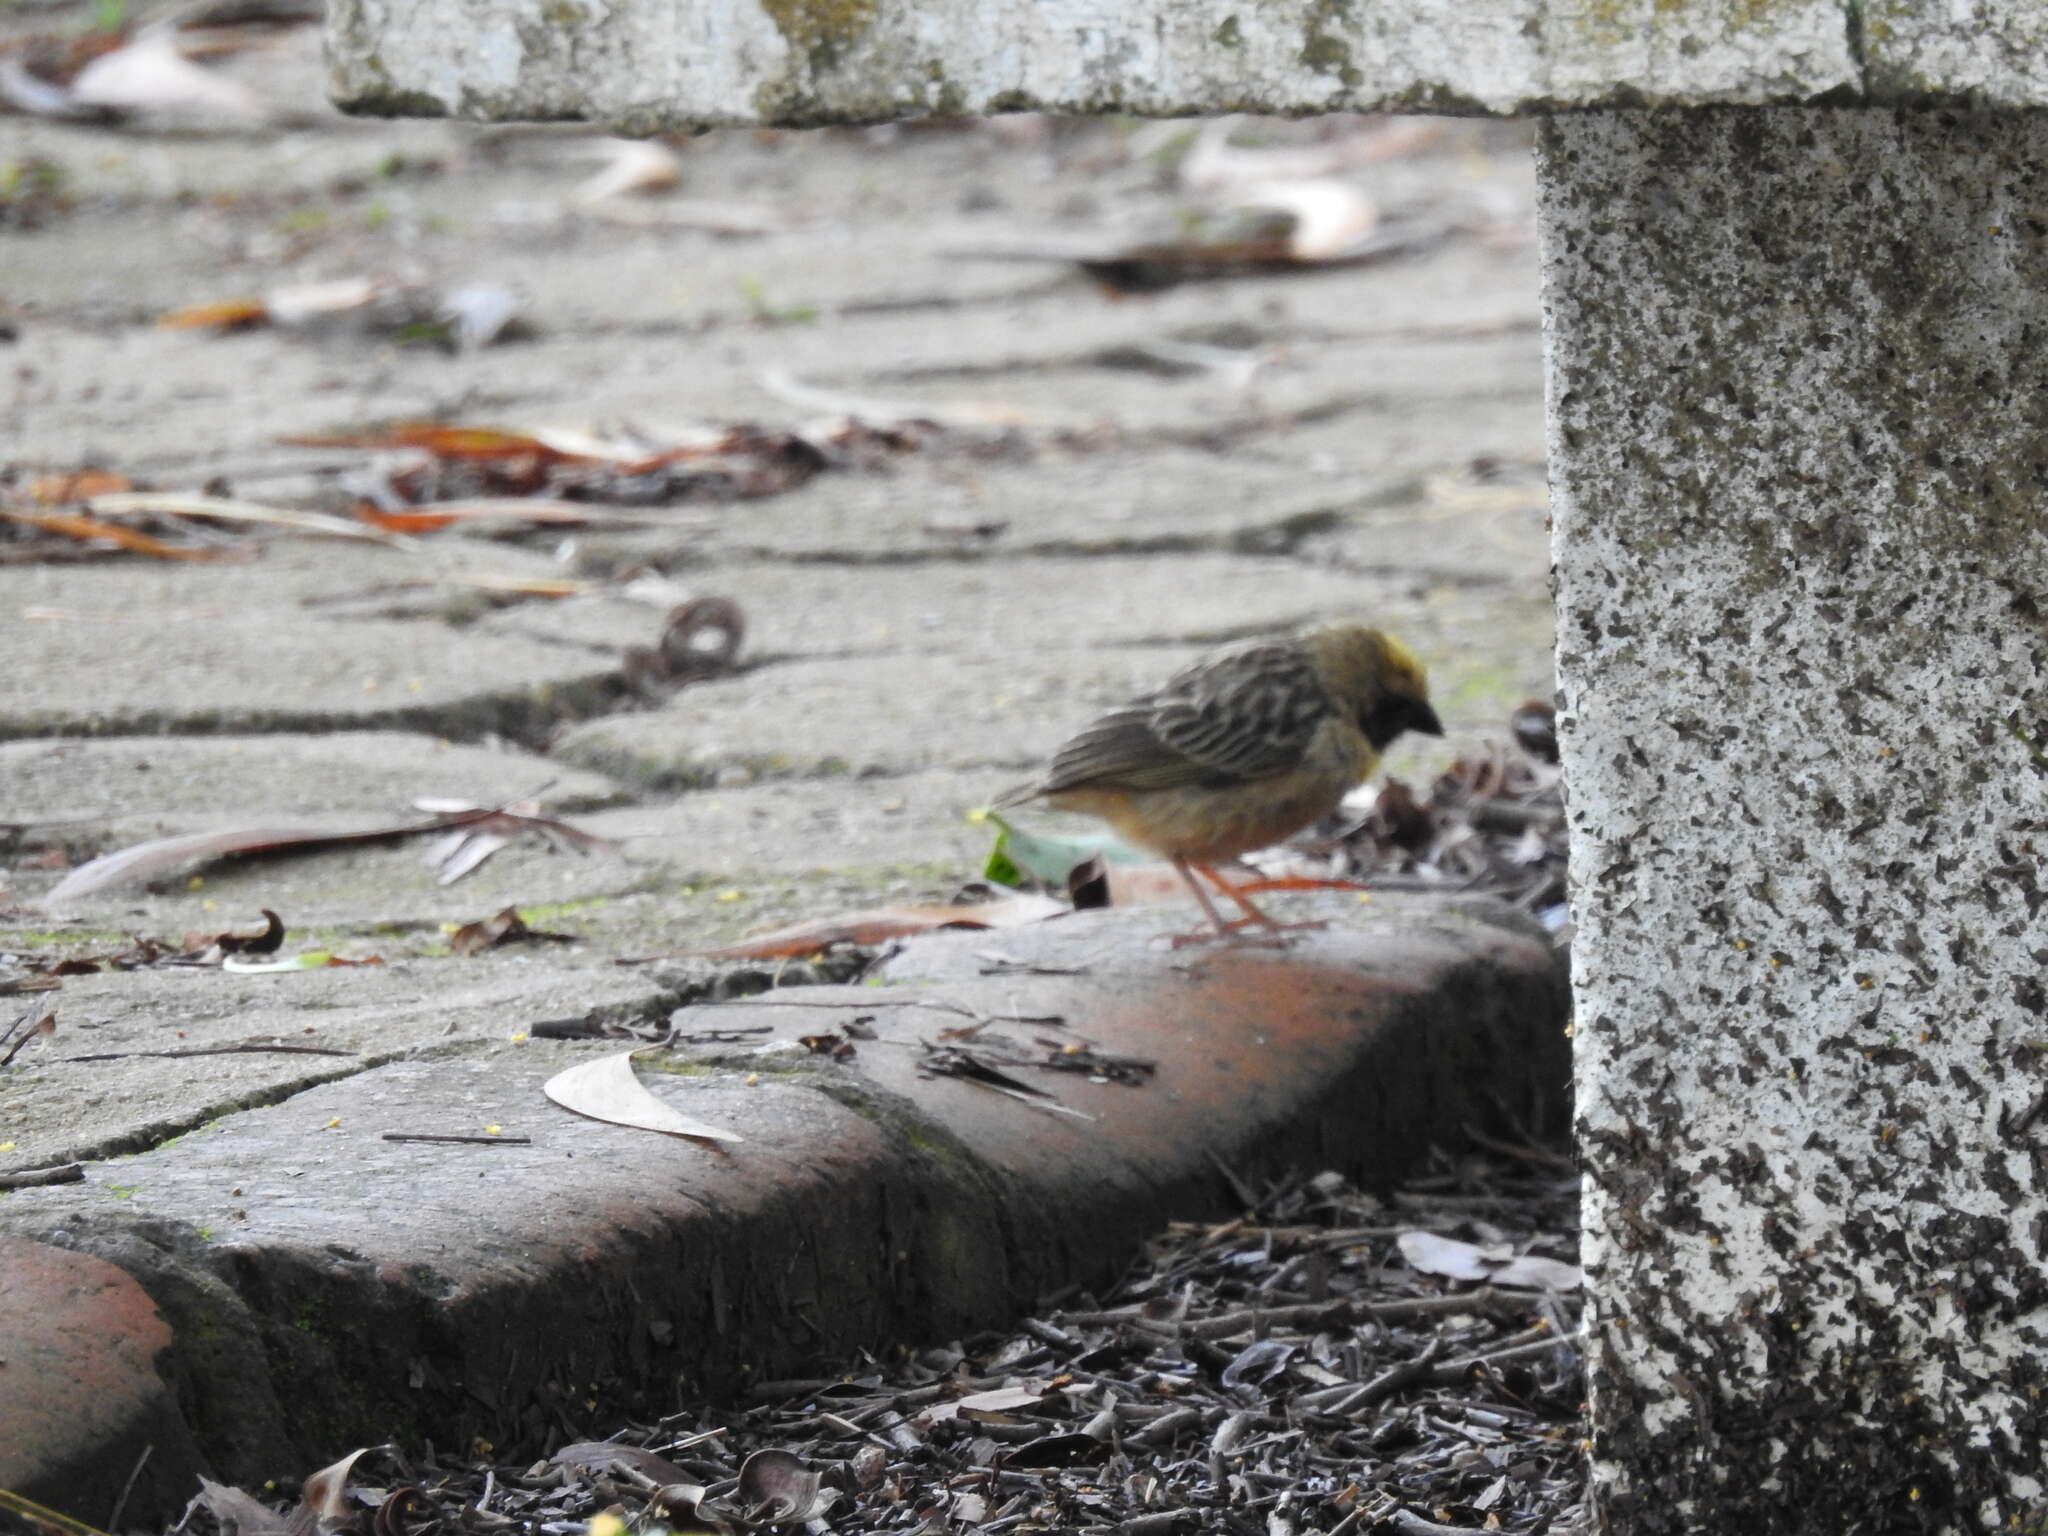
1226, 931
1251, 913
1223, 930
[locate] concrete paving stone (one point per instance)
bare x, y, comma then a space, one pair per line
326, 893
1417, 447
1155, 500
126, 648
995, 606
912, 827
1483, 533
59, 1104
87, 1408
73, 787
466, 1290
697, 871
1369, 381
898, 304
131, 397
818, 718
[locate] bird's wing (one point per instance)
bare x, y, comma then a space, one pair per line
1245, 715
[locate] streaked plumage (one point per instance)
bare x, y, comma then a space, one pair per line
1241, 748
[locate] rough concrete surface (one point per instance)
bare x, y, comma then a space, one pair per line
341, 1281
1802, 570
739, 61
922, 630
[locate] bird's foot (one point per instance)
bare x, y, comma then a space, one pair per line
1247, 934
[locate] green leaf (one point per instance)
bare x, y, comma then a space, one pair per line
1021, 857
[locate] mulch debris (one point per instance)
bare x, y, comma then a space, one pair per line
1282, 1373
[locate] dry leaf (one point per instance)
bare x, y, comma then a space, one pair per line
879, 924
511, 509
997, 1400
608, 1089
325, 1494
265, 942
1332, 219
482, 830
222, 314
1257, 1363
437, 438
149, 74
163, 856
93, 530
32, 94
238, 1513
310, 960
56, 490
298, 304
477, 314
602, 1455
504, 926
633, 165
1433, 1254
778, 1488
222, 509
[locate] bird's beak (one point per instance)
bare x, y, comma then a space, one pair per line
1422, 719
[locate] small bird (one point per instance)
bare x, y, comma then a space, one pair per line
1240, 749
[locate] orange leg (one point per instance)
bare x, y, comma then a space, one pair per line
1223, 930
1230, 931
1274, 930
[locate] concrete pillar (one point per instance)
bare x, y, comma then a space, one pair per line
1799, 424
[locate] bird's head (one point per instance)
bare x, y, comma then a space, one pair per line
1380, 677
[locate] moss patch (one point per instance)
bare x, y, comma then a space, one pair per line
821, 30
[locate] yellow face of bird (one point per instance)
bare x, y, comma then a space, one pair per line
1379, 677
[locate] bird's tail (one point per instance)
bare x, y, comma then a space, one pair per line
1017, 794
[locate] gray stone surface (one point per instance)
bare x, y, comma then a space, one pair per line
979, 606
80, 787
880, 832
125, 1073
738, 61
812, 719
1802, 569
458, 1289
122, 650
817, 718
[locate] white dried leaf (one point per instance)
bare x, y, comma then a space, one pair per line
1434, 1254
608, 1089
1331, 218
151, 75
298, 304
632, 165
